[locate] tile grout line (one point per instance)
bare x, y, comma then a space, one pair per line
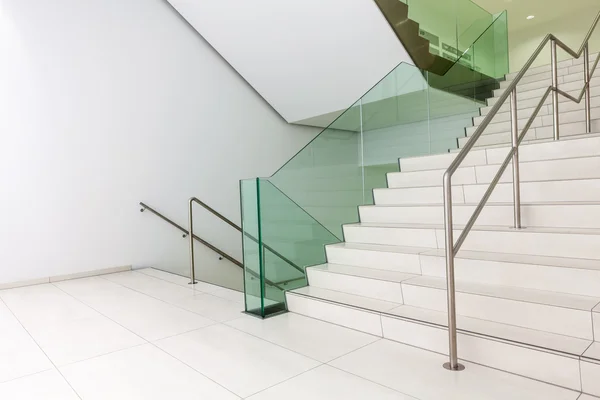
192, 368
192, 290
40, 347
372, 381
146, 342
285, 380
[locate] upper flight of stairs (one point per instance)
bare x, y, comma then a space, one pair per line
446, 74
528, 301
529, 93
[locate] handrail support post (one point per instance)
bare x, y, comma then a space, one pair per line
554, 88
515, 161
453, 363
191, 239
586, 79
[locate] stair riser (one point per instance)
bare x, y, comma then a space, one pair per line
549, 216
440, 161
570, 322
544, 366
517, 242
359, 286
427, 195
589, 378
353, 318
463, 176
529, 276
391, 261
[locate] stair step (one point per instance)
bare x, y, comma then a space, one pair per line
537, 89
368, 282
540, 121
569, 66
530, 171
559, 313
392, 258
550, 358
562, 215
558, 274
540, 132
574, 190
554, 242
571, 146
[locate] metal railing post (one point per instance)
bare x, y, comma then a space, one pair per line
586, 80
453, 364
515, 161
191, 236
554, 88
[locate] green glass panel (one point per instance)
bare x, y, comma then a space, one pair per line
253, 286
437, 23
490, 50
280, 241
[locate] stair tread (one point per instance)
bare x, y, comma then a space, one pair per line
556, 299
560, 262
348, 299
379, 247
362, 272
557, 230
593, 351
551, 341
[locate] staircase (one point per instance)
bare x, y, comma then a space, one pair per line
528, 301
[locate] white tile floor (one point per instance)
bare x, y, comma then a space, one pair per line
148, 335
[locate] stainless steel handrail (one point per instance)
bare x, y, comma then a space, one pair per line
210, 246
511, 91
232, 224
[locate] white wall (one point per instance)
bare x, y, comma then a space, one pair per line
106, 103
570, 28
306, 58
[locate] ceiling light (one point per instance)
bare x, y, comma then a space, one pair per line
531, 17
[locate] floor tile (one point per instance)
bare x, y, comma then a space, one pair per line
148, 317
19, 354
80, 339
211, 306
313, 338
151, 286
42, 304
49, 385
145, 373
419, 373
587, 397
327, 383
228, 294
242, 363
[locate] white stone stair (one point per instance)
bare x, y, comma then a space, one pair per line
528, 300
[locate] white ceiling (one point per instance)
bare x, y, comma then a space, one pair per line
544, 10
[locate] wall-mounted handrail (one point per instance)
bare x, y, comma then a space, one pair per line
511, 91
207, 244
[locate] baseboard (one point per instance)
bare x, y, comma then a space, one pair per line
59, 278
